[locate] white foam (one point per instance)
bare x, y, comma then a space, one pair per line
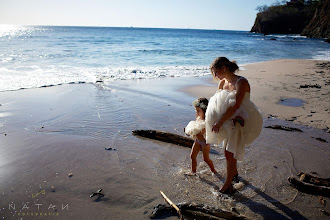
35, 76
322, 55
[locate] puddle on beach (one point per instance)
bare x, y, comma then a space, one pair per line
292, 102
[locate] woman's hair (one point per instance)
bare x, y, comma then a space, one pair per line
202, 103
223, 61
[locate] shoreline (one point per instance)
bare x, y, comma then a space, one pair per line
276, 81
97, 81
48, 133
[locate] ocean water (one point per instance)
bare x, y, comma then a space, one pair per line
36, 56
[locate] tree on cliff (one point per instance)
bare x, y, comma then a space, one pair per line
293, 17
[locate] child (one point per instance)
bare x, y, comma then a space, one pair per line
197, 130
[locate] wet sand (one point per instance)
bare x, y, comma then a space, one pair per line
48, 133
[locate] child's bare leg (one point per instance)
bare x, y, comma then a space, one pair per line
193, 155
206, 156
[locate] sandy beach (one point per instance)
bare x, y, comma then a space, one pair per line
53, 140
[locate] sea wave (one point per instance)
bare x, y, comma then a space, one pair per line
24, 77
322, 55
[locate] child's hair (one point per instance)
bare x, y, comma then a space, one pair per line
223, 61
202, 103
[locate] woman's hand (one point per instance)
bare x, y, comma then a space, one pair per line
216, 127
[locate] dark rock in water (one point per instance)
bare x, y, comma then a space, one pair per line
110, 148
99, 81
327, 40
285, 128
273, 38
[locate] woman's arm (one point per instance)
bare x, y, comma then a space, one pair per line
242, 87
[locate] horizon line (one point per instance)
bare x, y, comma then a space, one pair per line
138, 27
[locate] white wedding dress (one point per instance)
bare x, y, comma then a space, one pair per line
233, 136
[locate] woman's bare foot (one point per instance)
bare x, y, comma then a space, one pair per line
230, 190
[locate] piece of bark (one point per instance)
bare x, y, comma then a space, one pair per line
165, 137
285, 128
309, 188
305, 177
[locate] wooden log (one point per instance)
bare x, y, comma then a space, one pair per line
172, 204
165, 137
305, 177
309, 188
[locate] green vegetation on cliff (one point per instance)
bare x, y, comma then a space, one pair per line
293, 17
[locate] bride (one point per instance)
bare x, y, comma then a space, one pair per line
231, 118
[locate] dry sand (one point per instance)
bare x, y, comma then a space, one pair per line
275, 80
48, 133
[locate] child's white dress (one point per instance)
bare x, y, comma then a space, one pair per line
233, 136
195, 127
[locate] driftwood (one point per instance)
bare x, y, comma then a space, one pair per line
196, 211
309, 188
165, 137
285, 128
307, 178
172, 204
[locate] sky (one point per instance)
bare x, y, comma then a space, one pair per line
193, 14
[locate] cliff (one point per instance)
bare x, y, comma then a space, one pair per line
319, 26
309, 20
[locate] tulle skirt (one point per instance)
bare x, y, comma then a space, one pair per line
234, 137
195, 127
